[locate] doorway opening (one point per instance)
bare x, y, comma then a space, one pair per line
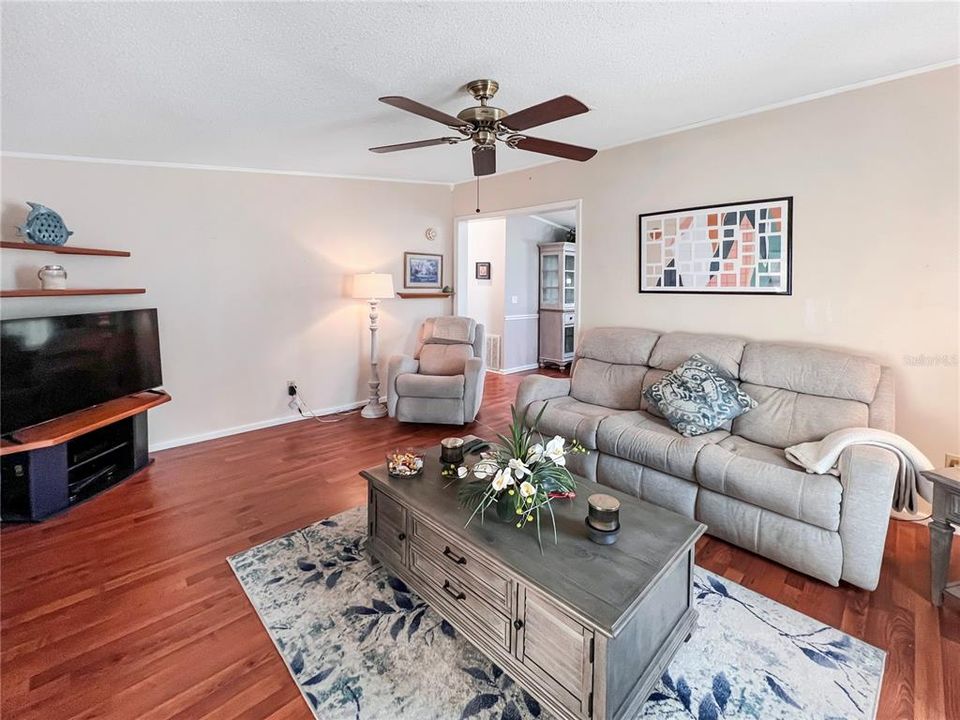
518, 273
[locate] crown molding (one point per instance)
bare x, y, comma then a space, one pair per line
212, 168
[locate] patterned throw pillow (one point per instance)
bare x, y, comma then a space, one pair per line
695, 398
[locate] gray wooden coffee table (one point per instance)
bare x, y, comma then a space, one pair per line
587, 629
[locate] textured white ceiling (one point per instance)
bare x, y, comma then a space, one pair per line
294, 86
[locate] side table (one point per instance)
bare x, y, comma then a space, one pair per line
946, 516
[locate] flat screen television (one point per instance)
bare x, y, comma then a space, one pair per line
51, 366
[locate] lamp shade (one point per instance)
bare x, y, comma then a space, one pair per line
373, 286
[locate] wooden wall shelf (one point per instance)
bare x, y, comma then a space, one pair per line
62, 429
79, 291
63, 249
409, 295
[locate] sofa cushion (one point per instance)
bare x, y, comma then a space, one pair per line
761, 475
608, 384
648, 440
695, 398
799, 545
430, 386
810, 370
619, 345
438, 359
570, 418
722, 351
648, 484
783, 418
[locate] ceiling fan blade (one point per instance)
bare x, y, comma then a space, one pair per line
417, 144
423, 111
484, 160
552, 147
546, 112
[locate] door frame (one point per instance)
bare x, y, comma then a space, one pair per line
461, 271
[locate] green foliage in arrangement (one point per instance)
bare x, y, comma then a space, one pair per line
521, 475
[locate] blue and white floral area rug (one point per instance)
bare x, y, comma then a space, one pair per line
361, 644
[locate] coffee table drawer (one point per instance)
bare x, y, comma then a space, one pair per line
446, 590
462, 565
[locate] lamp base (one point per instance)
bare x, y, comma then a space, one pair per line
374, 410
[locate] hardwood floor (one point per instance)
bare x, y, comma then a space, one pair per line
125, 608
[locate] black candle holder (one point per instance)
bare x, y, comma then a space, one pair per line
451, 450
603, 518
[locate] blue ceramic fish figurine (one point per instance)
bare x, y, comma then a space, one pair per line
44, 226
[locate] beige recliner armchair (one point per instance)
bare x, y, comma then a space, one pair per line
443, 382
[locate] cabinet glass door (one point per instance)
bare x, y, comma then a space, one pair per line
568, 340
550, 280
569, 275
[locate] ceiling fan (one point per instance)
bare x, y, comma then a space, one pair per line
486, 125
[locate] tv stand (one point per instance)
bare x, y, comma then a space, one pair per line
46, 468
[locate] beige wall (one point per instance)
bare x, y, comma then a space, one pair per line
874, 175
248, 272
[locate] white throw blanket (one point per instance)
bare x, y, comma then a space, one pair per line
823, 456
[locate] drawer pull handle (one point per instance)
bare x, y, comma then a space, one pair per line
402, 536
451, 592
518, 623
456, 558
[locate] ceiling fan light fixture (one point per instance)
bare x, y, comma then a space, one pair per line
486, 125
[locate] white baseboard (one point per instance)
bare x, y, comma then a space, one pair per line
259, 425
509, 371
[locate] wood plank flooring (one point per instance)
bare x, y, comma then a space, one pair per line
125, 608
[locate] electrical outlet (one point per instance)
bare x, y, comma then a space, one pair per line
291, 387
951, 460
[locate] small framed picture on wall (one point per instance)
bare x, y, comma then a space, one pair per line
483, 271
422, 270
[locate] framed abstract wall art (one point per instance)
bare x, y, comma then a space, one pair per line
422, 270
742, 248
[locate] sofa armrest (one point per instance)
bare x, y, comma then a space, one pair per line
868, 475
473, 377
540, 387
398, 365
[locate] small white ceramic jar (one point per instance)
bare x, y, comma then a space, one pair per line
53, 277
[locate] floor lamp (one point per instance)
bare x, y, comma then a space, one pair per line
373, 287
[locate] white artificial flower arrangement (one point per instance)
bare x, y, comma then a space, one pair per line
519, 477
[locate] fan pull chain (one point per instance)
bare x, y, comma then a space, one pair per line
478, 194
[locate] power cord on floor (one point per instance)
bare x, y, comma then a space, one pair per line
299, 403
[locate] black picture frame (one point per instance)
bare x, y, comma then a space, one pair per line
788, 235
483, 271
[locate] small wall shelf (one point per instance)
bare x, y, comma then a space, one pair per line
63, 249
78, 291
408, 295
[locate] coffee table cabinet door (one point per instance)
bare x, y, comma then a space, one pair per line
390, 529
556, 649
